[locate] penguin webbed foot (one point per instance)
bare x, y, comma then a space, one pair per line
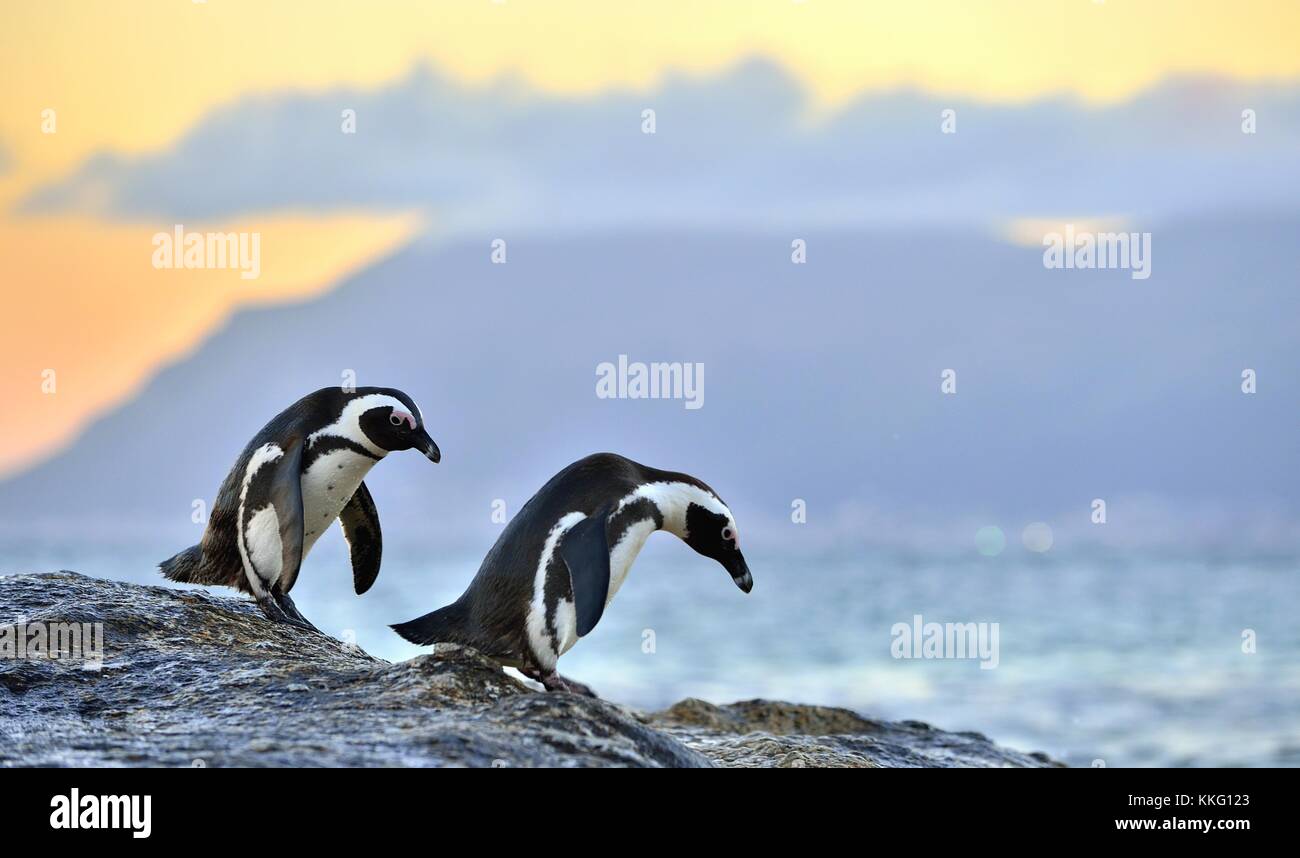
554, 682
560, 683
295, 616
271, 608
279, 608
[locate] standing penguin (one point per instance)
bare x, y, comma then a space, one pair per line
559, 562
300, 473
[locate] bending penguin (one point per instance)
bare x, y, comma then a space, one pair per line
302, 471
558, 563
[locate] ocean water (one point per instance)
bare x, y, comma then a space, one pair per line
1114, 659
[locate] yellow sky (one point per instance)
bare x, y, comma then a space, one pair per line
133, 75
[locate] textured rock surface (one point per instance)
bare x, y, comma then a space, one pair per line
765, 733
193, 679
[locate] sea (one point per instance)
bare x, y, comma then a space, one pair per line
1101, 659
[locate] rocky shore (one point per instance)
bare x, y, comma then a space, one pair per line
188, 678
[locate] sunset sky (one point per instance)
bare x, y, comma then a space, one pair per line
133, 77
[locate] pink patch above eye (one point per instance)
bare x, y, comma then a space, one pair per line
402, 415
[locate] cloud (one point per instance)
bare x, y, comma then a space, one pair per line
745, 147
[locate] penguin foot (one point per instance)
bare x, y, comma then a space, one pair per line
552, 681
555, 682
274, 612
271, 608
293, 615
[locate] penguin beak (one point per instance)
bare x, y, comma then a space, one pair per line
425, 445
739, 570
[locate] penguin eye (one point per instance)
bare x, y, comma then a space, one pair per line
397, 418
728, 533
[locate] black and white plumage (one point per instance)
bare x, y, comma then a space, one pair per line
302, 471
558, 563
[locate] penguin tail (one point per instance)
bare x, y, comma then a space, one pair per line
185, 567
445, 625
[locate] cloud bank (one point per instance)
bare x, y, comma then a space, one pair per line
744, 148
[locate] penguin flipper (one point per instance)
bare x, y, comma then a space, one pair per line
360, 523
270, 517
585, 550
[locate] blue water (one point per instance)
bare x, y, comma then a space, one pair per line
1128, 659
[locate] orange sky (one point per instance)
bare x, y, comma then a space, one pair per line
131, 77
103, 318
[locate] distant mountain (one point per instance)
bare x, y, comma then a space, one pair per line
821, 381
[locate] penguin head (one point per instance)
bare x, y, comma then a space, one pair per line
711, 531
392, 422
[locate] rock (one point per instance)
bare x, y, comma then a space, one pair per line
766, 733
192, 679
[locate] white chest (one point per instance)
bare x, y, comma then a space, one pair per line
550, 643
624, 552
327, 486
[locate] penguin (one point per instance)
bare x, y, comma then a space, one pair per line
558, 563
302, 471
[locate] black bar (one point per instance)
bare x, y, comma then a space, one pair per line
306, 806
